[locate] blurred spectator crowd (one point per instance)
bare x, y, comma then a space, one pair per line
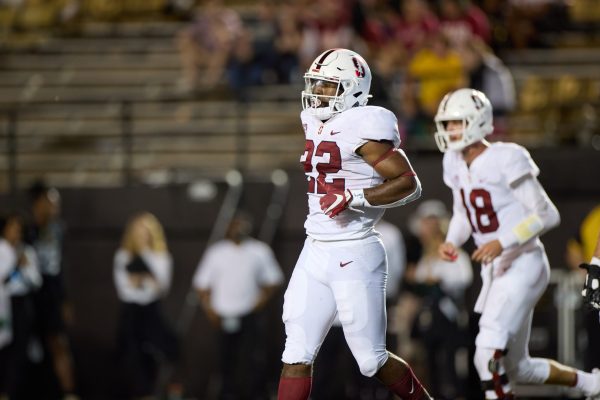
417, 49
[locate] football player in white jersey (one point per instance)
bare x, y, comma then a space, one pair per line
354, 170
499, 201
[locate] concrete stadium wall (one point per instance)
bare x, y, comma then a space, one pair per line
96, 217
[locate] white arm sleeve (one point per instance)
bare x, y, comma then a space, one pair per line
530, 193
460, 229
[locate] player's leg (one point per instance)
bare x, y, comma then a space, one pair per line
400, 379
308, 311
492, 346
359, 290
522, 368
490, 365
505, 314
525, 369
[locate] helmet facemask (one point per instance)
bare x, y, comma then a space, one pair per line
321, 105
342, 70
449, 140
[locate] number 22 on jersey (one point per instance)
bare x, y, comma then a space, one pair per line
319, 185
485, 216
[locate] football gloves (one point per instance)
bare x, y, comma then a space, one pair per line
335, 202
591, 289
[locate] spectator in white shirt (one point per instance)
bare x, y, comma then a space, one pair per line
235, 279
19, 278
142, 274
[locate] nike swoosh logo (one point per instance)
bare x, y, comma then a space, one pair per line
344, 264
334, 133
338, 199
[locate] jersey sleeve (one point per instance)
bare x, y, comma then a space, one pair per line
377, 124
517, 164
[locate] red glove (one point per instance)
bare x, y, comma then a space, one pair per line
335, 202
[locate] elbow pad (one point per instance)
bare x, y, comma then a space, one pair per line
359, 200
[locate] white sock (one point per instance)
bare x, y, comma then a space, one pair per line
586, 382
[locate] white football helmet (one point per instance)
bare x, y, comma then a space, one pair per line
344, 68
472, 108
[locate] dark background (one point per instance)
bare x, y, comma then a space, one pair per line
95, 219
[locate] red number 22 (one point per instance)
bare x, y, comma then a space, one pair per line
324, 168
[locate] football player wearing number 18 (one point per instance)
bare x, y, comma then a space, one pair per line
354, 171
499, 201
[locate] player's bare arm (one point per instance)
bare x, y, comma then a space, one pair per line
400, 181
400, 185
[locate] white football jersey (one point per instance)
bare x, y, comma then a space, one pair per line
331, 163
485, 189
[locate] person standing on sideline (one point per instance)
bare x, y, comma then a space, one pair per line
499, 201
235, 279
142, 271
20, 278
52, 310
354, 170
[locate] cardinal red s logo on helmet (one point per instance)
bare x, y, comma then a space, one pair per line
360, 69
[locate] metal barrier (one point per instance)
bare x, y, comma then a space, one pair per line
118, 143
